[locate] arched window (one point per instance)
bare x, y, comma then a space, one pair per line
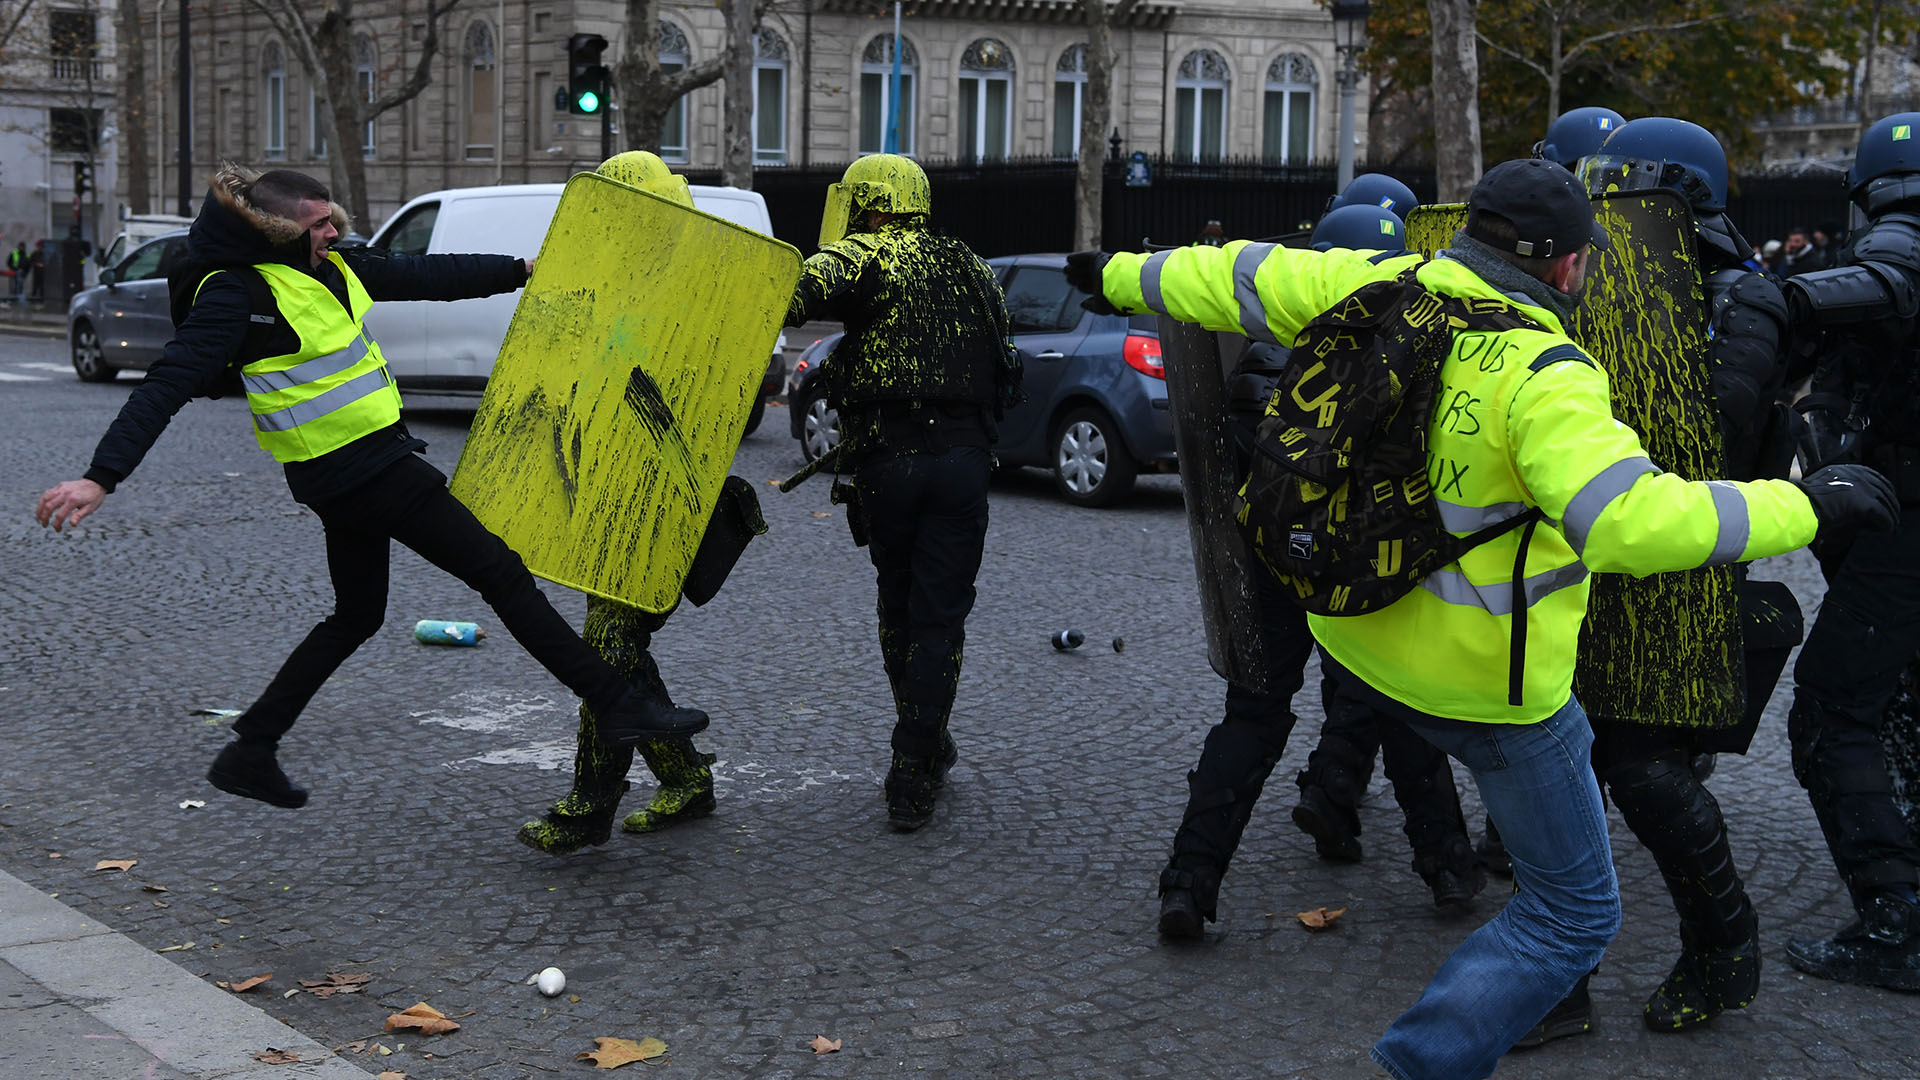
363, 81
876, 93
986, 101
1287, 136
1069, 97
1200, 106
675, 55
274, 64
482, 91
769, 97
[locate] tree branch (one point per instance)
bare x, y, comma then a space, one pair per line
423, 70
15, 24
1646, 28
689, 79
1504, 51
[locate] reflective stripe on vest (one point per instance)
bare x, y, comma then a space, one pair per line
1497, 598
306, 412
312, 371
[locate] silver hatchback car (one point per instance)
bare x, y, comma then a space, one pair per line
123, 322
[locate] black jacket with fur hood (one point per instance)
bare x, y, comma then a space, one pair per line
211, 328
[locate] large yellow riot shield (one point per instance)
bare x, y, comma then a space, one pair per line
622, 388
1663, 650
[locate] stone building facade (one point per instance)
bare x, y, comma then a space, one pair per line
58, 89
982, 79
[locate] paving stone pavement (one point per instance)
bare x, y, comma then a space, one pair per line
1013, 937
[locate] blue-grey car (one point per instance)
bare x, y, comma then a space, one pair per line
1096, 408
124, 321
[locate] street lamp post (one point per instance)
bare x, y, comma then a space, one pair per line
1349, 37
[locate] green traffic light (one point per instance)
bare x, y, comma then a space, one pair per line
589, 102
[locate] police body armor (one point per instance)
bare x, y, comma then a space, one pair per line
1644, 322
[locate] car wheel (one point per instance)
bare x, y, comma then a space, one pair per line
89, 362
753, 418
819, 427
1091, 466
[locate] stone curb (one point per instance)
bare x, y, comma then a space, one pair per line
186, 1024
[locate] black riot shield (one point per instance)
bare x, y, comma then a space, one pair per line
1210, 475
1663, 650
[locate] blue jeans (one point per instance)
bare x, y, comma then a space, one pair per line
1539, 789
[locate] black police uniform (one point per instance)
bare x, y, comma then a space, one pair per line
918, 381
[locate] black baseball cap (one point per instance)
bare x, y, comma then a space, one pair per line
1545, 203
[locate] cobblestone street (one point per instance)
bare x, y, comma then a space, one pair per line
1013, 937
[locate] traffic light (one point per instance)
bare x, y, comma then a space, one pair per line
82, 178
586, 76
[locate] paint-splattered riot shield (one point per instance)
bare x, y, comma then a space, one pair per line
1663, 650
1210, 474
622, 388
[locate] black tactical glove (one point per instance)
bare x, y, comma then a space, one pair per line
1847, 498
1084, 270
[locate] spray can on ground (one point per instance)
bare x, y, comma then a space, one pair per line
441, 632
1068, 639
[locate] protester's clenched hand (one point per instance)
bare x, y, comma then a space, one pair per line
69, 503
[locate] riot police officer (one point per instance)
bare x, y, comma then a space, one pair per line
1577, 133
1645, 761
919, 381
1375, 189
1859, 318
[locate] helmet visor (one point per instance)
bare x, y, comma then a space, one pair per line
836, 220
1604, 174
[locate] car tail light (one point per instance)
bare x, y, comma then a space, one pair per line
1142, 354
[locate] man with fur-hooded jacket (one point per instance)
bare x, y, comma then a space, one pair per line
262, 292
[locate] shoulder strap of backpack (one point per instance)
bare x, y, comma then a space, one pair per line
263, 313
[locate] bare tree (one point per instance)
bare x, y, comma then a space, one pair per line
1089, 185
323, 40
736, 168
12, 26
133, 105
1456, 97
647, 93
1559, 15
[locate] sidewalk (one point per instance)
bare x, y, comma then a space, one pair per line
80, 1002
40, 323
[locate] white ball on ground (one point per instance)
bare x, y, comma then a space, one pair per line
551, 982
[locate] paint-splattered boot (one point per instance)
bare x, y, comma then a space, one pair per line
1705, 983
686, 786
910, 792
584, 816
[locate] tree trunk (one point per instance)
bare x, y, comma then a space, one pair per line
1096, 114
340, 120
736, 169
637, 77
134, 97
1866, 75
1456, 98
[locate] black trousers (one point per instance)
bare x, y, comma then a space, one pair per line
1239, 754
409, 502
1867, 631
926, 524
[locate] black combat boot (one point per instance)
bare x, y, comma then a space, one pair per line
640, 716
251, 770
685, 793
1335, 829
1704, 983
1882, 948
584, 816
1573, 1016
944, 760
1454, 873
910, 792
1188, 895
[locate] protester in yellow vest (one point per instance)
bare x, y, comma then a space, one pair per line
1522, 419
263, 292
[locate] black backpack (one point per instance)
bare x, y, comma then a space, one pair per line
1338, 503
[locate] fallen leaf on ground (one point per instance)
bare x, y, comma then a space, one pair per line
153, 888
336, 983
122, 865
823, 1045
821, 513
613, 1053
1319, 918
272, 1056
176, 948
349, 1048
248, 984
55, 855
423, 1018
391, 1075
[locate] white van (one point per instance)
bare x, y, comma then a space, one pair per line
448, 348
137, 229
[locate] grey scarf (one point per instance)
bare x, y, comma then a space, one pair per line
1508, 278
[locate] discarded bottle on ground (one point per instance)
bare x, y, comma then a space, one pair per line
441, 632
1067, 639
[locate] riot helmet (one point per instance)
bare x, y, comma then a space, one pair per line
1886, 165
1360, 228
1576, 134
1660, 152
883, 183
638, 168
1376, 189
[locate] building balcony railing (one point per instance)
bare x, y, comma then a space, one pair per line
72, 69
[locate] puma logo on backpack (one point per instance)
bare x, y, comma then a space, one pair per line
1337, 503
